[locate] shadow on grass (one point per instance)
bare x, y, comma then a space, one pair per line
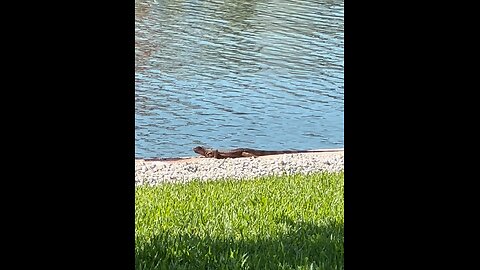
304, 246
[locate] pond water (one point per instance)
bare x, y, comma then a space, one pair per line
265, 74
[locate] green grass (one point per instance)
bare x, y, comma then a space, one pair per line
288, 222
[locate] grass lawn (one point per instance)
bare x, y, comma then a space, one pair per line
288, 222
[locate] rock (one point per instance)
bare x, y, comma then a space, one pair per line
157, 171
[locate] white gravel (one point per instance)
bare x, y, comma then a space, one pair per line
149, 172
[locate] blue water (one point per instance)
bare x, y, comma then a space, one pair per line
238, 73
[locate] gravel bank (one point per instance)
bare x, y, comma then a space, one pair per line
153, 172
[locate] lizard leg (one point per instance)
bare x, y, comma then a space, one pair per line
216, 154
209, 154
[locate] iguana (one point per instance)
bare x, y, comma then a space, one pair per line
248, 152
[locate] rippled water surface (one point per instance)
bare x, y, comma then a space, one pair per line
237, 73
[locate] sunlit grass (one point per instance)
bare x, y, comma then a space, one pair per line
289, 222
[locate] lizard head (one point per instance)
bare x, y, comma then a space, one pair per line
203, 151
200, 150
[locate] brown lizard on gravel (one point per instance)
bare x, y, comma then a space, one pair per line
248, 152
